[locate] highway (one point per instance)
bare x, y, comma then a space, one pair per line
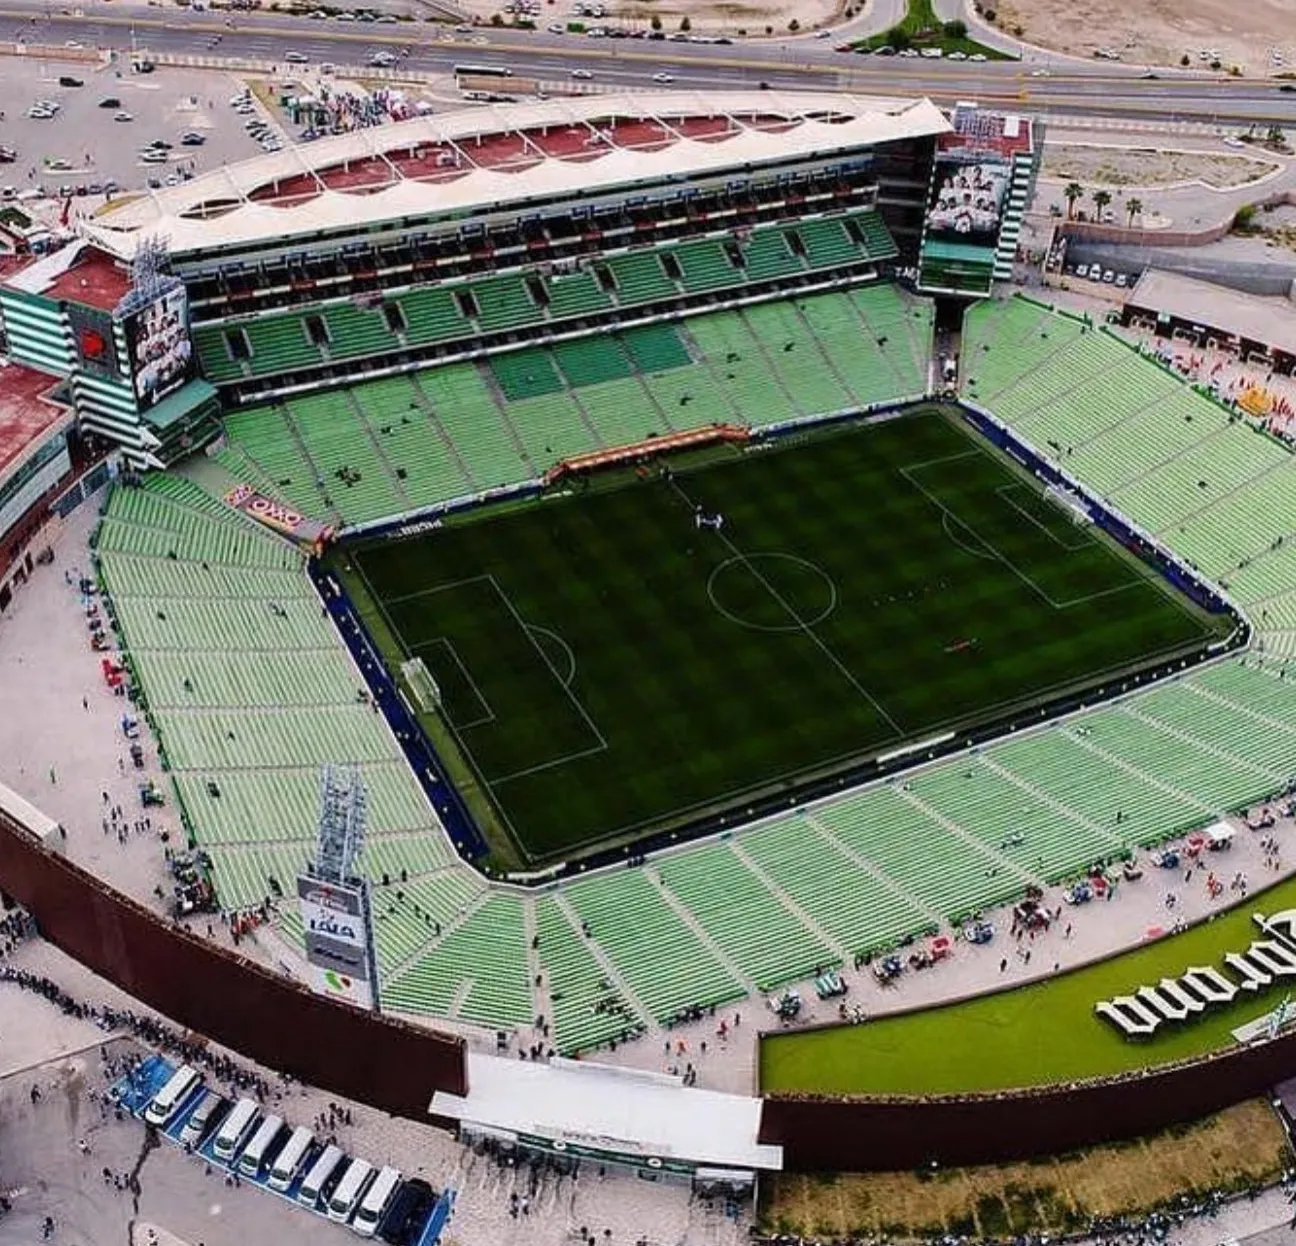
1058, 88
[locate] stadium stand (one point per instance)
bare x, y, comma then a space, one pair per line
250, 691
279, 341
362, 452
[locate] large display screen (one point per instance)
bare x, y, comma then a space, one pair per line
161, 353
967, 205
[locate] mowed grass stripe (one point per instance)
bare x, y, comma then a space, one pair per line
841, 603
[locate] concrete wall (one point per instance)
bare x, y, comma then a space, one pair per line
385, 1063
862, 1135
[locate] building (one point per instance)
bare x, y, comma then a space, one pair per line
1200, 313
118, 335
394, 248
982, 178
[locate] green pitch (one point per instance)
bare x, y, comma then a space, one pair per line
1037, 1035
607, 666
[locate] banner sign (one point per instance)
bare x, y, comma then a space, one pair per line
275, 515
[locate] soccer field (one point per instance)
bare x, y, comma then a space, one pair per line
607, 666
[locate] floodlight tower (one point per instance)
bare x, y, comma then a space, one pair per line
336, 912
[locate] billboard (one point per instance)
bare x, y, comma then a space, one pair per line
277, 516
94, 340
157, 338
334, 919
967, 200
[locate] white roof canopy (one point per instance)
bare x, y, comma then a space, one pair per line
824, 123
621, 1111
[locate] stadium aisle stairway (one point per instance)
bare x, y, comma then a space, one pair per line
743, 918
477, 972
660, 958
849, 904
587, 1009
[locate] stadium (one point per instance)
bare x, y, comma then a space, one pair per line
713, 587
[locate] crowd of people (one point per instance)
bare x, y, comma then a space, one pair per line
149, 1030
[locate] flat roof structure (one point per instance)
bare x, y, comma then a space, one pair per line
76, 273
480, 157
1271, 321
27, 417
626, 1113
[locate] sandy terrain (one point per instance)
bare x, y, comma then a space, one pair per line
1160, 31
749, 16
1143, 166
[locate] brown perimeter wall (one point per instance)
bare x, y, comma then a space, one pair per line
387, 1064
863, 1135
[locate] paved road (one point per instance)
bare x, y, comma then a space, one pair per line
1070, 87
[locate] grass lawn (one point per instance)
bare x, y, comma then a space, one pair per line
1241, 1147
921, 28
606, 666
1047, 1032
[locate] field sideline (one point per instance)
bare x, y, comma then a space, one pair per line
608, 666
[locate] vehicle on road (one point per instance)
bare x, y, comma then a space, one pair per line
67, 81
482, 71
383, 60
583, 74
110, 101
663, 77
297, 58
977, 56
192, 139
8, 155
556, 28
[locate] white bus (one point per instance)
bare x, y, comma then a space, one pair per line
376, 1202
291, 1159
166, 1103
235, 1131
324, 1174
257, 1152
350, 1190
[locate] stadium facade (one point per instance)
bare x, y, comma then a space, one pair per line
444, 237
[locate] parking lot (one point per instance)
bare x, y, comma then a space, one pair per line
95, 138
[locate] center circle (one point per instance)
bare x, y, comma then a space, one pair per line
772, 592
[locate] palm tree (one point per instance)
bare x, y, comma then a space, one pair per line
1133, 209
1101, 199
1073, 192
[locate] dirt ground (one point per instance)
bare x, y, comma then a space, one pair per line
1160, 31
751, 16
1240, 1147
1143, 166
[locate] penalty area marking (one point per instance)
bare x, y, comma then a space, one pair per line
998, 556
570, 678
482, 719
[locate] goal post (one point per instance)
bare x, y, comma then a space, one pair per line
420, 682
1071, 502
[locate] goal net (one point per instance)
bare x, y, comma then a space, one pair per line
420, 682
1071, 502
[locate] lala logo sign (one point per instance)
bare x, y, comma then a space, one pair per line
1268, 960
326, 912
